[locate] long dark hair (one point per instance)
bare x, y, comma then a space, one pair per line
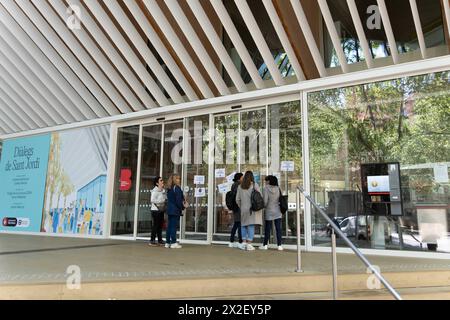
248, 180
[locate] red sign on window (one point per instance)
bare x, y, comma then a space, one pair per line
125, 179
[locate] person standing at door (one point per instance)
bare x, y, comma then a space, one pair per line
238, 177
158, 200
249, 219
175, 207
272, 212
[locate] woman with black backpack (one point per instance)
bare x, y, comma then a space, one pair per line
247, 199
272, 213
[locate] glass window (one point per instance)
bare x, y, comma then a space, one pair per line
122, 222
403, 120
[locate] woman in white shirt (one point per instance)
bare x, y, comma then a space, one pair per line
158, 200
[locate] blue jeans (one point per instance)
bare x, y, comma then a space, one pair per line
236, 226
268, 231
248, 232
171, 232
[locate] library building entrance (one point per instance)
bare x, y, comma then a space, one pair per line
206, 151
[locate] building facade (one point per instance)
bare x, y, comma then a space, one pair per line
205, 89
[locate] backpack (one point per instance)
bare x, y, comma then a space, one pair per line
257, 201
230, 200
283, 203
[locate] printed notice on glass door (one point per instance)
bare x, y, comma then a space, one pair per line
220, 173
231, 177
441, 173
224, 187
200, 192
199, 179
287, 166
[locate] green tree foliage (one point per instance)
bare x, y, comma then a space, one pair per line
405, 120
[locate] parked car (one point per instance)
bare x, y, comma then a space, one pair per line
337, 221
348, 227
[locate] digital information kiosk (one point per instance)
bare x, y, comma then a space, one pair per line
381, 189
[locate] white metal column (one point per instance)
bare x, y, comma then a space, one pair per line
307, 218
110, 180
211, 179
138, 183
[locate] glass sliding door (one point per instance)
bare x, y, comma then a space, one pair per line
122, 220
195, 220
259, 140
253, 147
225, 164
150, 169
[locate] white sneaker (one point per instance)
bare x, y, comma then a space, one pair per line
263, 247
250, 247
231, 245
242, 246
167, 245
280, 248
175, 246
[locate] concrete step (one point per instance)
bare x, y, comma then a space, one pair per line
426, 293
352, 286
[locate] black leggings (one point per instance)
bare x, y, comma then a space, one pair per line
236, 226
158, 221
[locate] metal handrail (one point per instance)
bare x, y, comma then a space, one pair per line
352, 246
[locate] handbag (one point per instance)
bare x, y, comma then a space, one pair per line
284, 206
162, 207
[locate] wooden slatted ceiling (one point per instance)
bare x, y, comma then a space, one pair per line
33, 65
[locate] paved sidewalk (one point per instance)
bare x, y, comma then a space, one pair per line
40, 260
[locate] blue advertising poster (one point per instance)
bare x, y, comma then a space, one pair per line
23, 172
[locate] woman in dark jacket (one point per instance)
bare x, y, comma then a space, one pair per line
175, 207
236, 212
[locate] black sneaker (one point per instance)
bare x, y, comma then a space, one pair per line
152, 243
161, 243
